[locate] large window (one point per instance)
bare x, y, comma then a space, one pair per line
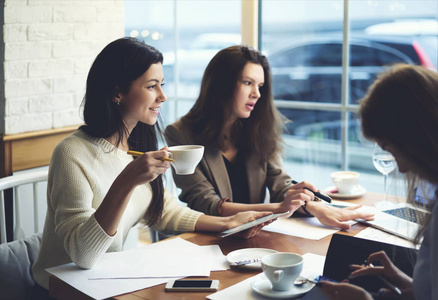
188, 33
324, 56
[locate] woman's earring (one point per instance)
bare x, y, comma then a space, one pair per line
117, 101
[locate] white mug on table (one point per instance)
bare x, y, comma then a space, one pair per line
282, 269
345, 181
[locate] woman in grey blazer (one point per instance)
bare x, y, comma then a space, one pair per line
236, 121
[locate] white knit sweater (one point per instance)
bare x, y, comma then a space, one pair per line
81, 172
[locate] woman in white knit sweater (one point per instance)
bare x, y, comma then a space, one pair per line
96, 191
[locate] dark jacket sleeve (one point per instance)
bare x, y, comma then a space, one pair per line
197, 189
277, 180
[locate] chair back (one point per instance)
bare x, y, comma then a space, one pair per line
15, 182
16, 260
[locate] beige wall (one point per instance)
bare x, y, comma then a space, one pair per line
48, 48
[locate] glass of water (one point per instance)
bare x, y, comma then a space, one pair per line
385, 163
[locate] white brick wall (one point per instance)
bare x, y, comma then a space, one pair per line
49, 48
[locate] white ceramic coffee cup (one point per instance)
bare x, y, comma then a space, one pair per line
345, 181
282, 269
186, 157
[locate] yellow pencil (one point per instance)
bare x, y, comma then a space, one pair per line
136, 153
167, 159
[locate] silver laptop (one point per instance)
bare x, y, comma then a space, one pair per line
402, 219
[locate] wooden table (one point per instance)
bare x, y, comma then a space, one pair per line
265, 239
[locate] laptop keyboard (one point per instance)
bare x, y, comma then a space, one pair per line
408, 213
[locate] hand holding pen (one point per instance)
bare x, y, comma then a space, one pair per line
345, 290
392, 287
399, 280
317, 194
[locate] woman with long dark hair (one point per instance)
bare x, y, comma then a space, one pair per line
400, 113
96, 191
235, 119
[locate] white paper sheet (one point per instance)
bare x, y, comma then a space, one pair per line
105, 288
375, 234
101, 289
308, 228
152, 263
218, 261
170, 260
312, 267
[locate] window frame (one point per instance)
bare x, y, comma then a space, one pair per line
344, 107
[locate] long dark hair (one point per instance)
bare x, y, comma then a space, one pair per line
401, 108
113, 71
261, 132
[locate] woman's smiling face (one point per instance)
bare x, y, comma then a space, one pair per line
143, 100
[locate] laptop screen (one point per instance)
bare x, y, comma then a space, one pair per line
424, 192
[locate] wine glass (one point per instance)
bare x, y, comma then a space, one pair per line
385, 163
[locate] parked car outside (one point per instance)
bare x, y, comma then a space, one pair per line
311, 70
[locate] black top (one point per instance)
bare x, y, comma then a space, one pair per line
238, 179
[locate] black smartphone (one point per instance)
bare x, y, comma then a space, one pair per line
192, 285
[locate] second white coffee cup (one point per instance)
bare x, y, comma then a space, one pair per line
282, 269
345, 181
186, 157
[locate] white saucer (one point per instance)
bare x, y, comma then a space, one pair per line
358, 191
249, 253
263, 286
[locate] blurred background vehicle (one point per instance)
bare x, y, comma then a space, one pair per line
325, 133
311, 70
307, 74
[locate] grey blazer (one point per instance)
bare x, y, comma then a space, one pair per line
210, 183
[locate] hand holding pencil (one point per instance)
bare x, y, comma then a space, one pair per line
146, 167
137, 153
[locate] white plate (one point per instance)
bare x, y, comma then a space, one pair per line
358, 191
249, 253
263, 286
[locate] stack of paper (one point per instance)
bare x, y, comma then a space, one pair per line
127, 271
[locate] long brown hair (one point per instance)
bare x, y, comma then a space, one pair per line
401, 108
259, 134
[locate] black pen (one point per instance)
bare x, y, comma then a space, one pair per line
317, 194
